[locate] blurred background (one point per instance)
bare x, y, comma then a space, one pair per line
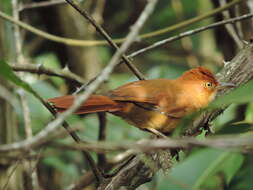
55, 167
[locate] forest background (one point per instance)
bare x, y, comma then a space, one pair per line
47, 49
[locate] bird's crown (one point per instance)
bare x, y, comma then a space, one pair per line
200, 73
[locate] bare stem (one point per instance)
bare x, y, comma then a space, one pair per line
102, 137
191, 32
179, 36
40, 4
40, 69
147, 145
104, 34
53, 126
85, 43
230, 27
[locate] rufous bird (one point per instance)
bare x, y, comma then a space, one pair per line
153, 105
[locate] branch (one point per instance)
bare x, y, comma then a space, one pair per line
9, 97
104, 34
20, 58
177, 37
238, 71
5, 187
190, 32
230, 28
40, 69
147, 145
191, 21
53, 126
86, 43
40, 4
102, 137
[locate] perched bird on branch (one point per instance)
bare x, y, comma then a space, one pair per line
154, 105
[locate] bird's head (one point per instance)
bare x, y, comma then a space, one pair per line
203, 82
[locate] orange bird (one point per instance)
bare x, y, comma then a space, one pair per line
154, 105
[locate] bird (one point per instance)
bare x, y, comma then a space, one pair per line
155, 105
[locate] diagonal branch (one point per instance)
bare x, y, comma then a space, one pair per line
230, 28
103, 33
177, 37
53, 126
191, 32
238, 71
86, 43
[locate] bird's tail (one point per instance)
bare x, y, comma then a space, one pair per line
95, 103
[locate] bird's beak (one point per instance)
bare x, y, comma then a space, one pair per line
223, 85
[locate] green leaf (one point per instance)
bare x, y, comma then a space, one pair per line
243, 94
243, 178
235, 128
7, 73
249, 113
195, 171
231, 166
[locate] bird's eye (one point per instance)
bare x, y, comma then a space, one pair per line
208, 84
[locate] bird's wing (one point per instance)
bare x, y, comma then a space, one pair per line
158, 94
139, 91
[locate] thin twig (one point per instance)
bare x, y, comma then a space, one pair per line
53, 126
5, 187
98, 11
190, 32
186, 42
23, 95
191, 21
102, 137
177, 37
230, 28
72, 133
40, 4
238, 71
40, 69
20, 59
26, 112
9, 97
66, 41
86, 43
104, 34
147, 145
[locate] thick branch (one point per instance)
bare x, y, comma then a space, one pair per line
238, 71
147, 145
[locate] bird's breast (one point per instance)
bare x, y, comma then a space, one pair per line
144, 118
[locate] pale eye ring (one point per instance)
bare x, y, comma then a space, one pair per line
208, 84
